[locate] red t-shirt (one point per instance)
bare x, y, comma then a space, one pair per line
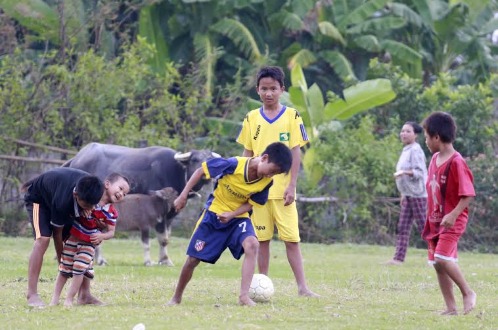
459, 184
84, 227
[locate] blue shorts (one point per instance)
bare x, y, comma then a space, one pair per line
211, 237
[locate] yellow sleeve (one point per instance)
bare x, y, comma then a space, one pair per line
298, 136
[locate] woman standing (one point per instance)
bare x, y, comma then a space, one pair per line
411, 175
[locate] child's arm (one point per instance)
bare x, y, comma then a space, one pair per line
97, 238
181, 201
290, 192
450, 218
227, 216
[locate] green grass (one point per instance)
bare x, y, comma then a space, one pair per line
357, 292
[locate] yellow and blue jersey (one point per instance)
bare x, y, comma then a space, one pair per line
258, 131
232, 186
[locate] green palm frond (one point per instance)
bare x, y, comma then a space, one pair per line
368, 42
205, 54
362, 13
304, 57
402, 10
240, 36
339, 63
378, 24
330, 30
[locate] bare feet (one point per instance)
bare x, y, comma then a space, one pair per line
449, 312
68, 303
393, 262
469, 302
308, 293
35, 301
246, 301
89, 300
174, 301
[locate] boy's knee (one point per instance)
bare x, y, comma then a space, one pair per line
251, 245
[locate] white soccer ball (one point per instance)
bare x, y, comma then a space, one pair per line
261, 289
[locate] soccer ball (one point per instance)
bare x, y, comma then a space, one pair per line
261, 289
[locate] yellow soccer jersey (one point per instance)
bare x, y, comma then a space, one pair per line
232, 187
258, 131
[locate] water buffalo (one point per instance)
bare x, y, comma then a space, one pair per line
150, 168
142, 212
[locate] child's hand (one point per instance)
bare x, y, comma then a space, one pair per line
225, 217
96, 238
399, 173
448, 220
180, 203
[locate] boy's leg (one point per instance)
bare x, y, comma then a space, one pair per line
250, 245
264, 257
296, 262
73, 289
446, 286
59, 285
34, 268
185, 277
452, 273
40, 221
287, 222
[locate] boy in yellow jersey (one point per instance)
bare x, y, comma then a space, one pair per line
241, 182
276, 122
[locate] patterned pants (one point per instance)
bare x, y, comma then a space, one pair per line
76, 257
412, 208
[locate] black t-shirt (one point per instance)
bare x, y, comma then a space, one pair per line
54, 191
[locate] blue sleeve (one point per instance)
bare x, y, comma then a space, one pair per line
261, 197
218, 167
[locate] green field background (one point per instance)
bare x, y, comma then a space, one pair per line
357, 292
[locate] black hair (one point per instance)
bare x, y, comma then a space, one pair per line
417, 129
274, 72
441, 124
114, 176
90, 189
280, 155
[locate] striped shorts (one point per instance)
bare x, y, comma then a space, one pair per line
76, 258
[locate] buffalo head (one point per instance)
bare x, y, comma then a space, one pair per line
192, 160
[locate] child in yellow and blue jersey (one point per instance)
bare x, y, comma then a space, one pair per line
241, 183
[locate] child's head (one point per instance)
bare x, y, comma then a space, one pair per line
440, 124
88, 192
274, 72
116, 187
270, 86
279, 158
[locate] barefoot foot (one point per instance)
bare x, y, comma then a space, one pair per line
469, 302
246, 301
89, 300
35, 301
174, 302
449, 312
308, 293
393, 262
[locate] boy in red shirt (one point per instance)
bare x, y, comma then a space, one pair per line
450, 190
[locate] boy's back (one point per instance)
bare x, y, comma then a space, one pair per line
233, 186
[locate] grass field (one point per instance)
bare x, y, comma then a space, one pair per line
357, 292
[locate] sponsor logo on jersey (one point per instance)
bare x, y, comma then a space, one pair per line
257, 132
199, 245
284, 137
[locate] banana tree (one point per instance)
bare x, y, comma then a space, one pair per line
318, 115
344, 35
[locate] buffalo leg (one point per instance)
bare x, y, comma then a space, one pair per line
146, 246
99, 257
163, 239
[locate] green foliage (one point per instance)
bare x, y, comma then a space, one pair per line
357, 169
482, 227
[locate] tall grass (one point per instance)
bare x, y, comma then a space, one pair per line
357, 292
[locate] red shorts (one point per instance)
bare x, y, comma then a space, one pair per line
444, 246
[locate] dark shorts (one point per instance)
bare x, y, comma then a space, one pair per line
211, 237
40, 221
